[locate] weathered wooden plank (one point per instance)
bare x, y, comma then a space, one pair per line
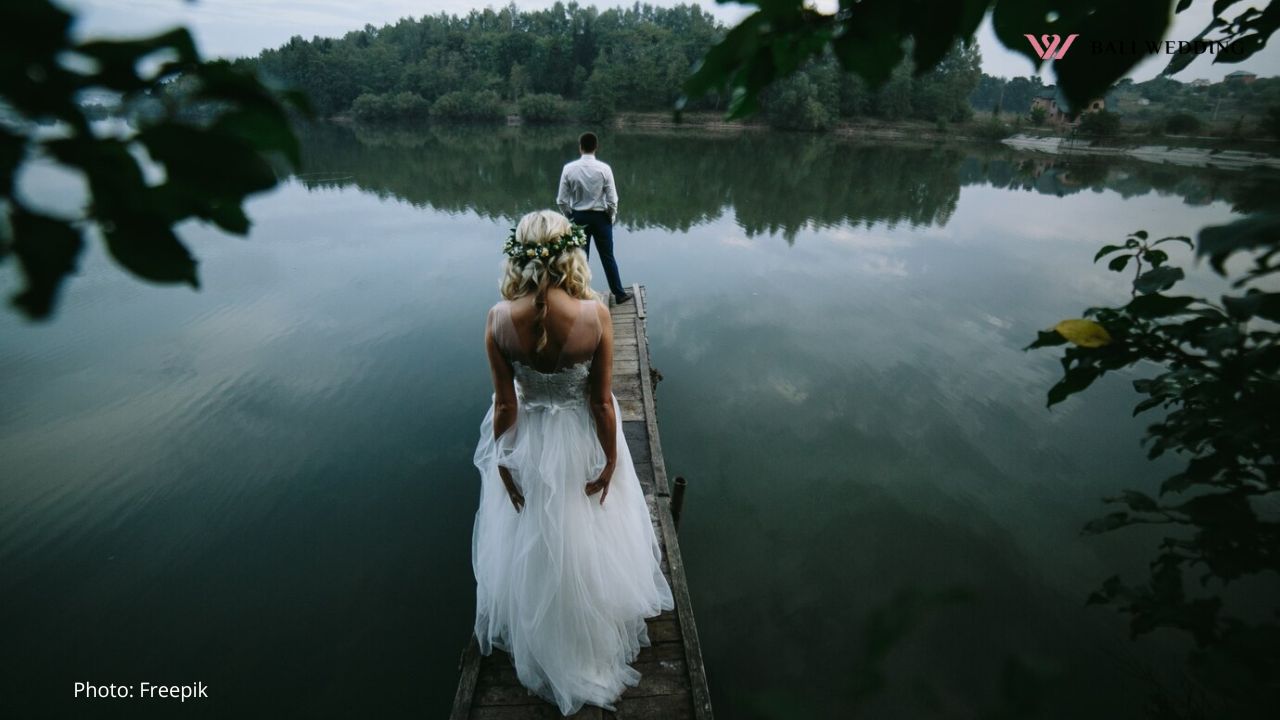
469, 664
651, 415
661, 631
661, 651
545, 711
659, 677
628, 391
644, 471
631, 409
505, 694
637, 442
657, 707
688, 630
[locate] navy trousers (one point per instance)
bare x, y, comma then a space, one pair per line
600, 231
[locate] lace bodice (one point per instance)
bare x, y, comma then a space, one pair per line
558, 390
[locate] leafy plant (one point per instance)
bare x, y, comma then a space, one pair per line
1037, 115
1182, 124
543, 108
213, 128
1217, 381
1271, 122
795, 104
481, 106
390, 107
1100, 123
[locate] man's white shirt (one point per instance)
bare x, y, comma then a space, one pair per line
587, 184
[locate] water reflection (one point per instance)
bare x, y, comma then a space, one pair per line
769, 182
266, 485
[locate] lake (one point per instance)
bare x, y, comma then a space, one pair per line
266, 485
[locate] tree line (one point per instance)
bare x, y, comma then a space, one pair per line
482, 65
570, 62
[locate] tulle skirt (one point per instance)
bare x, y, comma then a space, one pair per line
565, 585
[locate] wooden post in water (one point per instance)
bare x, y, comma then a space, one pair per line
677, 499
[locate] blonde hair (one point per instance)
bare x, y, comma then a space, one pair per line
568, 270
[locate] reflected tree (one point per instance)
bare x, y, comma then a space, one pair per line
770, 183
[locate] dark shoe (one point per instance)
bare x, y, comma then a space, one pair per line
624, 297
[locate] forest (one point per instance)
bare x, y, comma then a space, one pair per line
570, 62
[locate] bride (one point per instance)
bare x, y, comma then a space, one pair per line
565, 557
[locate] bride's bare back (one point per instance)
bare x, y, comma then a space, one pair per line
574, 330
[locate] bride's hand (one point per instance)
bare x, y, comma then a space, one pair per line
601, 485
513, 491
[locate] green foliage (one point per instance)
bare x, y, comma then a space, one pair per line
212, 126
508, 51
1271, 123
942, 93
1159, 89
543, 108
1037, 116
1217, 384
1000, 95
1182, 124
991, 129
1100, 123
1237, 129
870, 39
600, 101
795, 104
390, 107
482, 106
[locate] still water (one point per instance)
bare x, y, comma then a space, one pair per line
266, 485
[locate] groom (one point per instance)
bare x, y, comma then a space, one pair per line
589, 197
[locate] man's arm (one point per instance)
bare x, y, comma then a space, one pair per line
563, 201
610, 194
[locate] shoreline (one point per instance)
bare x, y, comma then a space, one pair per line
1225, 155
1155, 153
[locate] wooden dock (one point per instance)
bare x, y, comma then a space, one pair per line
674, 682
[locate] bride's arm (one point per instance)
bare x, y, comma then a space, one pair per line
505, 406
601, 380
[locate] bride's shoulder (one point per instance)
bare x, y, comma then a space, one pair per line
500, 309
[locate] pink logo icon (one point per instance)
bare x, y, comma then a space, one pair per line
1050, 44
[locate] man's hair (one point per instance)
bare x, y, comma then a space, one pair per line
588, 142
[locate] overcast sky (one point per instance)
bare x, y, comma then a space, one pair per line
231, 28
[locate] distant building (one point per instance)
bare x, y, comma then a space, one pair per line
1200, 82
1055, 106
1240, 76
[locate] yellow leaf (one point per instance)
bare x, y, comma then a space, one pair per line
1085, 333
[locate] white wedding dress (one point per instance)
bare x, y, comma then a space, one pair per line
565, 584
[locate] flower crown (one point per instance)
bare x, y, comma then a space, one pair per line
524, 252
